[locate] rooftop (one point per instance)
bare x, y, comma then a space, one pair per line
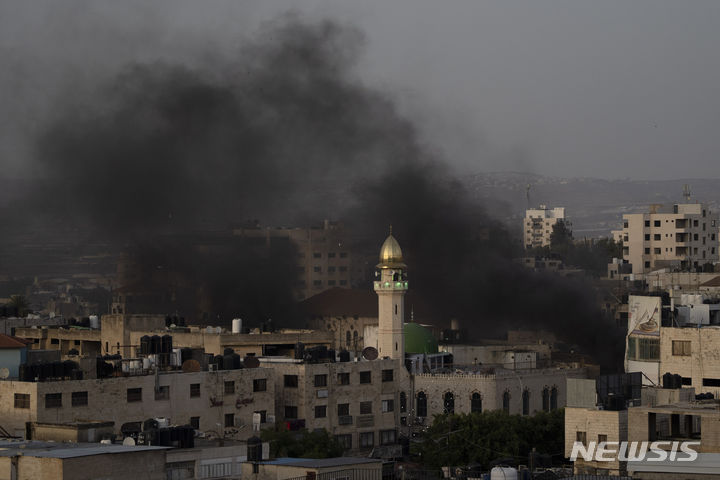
29, 448
6, 341
320, 462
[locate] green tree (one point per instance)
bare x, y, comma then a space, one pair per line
301, 443
20, 303
457, 440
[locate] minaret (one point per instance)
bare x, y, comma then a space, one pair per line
390, 288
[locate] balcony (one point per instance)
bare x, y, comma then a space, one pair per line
391, 285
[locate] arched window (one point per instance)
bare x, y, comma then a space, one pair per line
475, 403
553, 398
348, 338
355, 339
546, 399
449, 403
526, 402
403, 402
506, 402
421, 404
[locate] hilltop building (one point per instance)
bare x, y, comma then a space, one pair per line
538, 225
684, 237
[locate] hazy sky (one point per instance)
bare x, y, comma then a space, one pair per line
606, 88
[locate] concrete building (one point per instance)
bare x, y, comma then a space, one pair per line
324, 260
684, 237
349, 468
361, 403
538, 225
517, 392
13, 352
41, 460
222, 401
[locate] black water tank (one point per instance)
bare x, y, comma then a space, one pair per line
677, 381
166, 344
228, 362
331, 354
155, 344
150, 424
185, 354
344, 356
236, 361
219, 361
667, 380
228, 351
254, 449
299, 351
145, 345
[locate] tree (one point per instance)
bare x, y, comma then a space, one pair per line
561, 239
301, 444
458, 440
20, 304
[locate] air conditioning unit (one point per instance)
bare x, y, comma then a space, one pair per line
212, 367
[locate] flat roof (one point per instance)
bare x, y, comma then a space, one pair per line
320, 462
31, 448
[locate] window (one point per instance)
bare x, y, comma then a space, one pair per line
348, 338
526, 402
657, 223
195, 422
134, 395
22, 400
388, 406
475, 403
343, 409
657, 236
581, 437
647, 251
343, 379
53, 400
162, 393
657, 251
320, 411
602, 438
367, 439
403, 402
317, 269
387, 375
345, 441
317, 255
647, 223
546, 399
647, 237
711, 382
79, 399
681, 348
331, 254
554, 398
366, 377
229, 420
686, 380
641, 348
230, 387
321, 380
291, 412
260, 384
263, 415
343, 255
365, 408
449, 403
506, 402
194, 390
387, 437
421, 404
54, 341
76, 342
290, 381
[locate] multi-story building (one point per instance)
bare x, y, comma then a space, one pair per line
223, 402
324, 260
538, 225
684, 237
361, 403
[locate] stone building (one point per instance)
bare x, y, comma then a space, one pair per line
538, 225
221, 401
361, 403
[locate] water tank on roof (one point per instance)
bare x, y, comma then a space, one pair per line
166, 344
145, 345
94, 322
254, 449
503, 473
155, 344
236, 325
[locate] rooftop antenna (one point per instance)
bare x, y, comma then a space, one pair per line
686, 193
527, 195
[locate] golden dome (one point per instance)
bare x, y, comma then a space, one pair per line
391, 254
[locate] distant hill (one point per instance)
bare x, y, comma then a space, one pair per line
594, 205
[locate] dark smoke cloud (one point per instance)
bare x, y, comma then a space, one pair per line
287, 132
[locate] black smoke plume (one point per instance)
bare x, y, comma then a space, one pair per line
288, 133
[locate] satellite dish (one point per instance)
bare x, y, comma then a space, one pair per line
370, 353
191, 365
4, 372
251, 362
129, 442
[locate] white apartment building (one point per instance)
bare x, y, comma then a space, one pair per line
538, 225
684, 237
